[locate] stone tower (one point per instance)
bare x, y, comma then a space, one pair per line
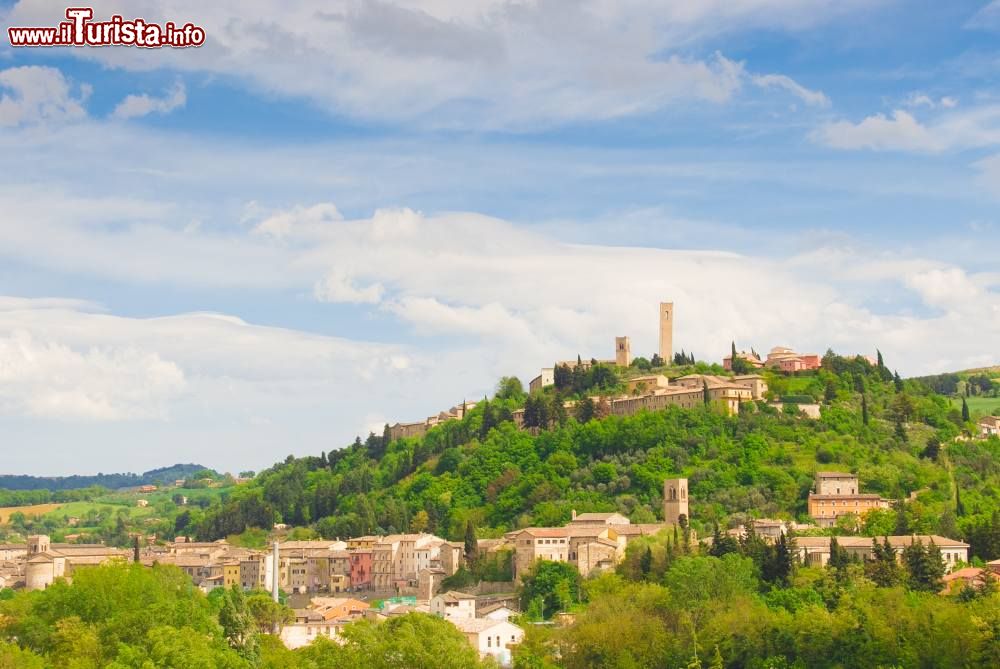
675, 501
623, 352
667, 331
38, 543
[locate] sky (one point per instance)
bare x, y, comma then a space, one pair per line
334, 215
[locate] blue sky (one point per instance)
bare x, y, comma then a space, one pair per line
334, 215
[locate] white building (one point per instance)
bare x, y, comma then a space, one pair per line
454, 605
494, 638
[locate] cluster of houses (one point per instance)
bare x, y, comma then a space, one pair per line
780, 358
483, 620
419, 428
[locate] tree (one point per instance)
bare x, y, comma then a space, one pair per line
556, 583
830, 392
238, 625
471, 546
585, 410
965, 411
420, 521
864, 409
839, 559
881, 361
646, 562
414, 641
656, 361
897, 382
509, 388
779, 562
883, 568
924, 566
489, 420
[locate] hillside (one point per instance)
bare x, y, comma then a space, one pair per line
484, 470
110, 481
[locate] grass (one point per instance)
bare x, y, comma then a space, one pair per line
983, 405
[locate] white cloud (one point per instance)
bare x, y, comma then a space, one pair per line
810, 97
971, 128
48, 379
33, 94
901, 132
488, 63
135, 106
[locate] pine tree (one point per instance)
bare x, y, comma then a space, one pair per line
646, 562
881, 362
898, 382
387, 436
883, 569
830, 393
965, 411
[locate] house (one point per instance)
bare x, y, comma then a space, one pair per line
837, 494
639, 385
751, 358
967, 577
786, 360
499, 611
816, 550
454, 605
493, 638
989, 427
308, 626
598, 519
142, 503
361, 568
766, 528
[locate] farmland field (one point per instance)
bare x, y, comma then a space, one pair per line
32, 510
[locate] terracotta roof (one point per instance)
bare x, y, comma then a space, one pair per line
835, 475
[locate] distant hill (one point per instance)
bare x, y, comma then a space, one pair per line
112, 481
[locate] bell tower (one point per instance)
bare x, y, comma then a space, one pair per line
623, 352
667, 332
675, 501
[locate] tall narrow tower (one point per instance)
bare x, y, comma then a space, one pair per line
675, 501
623, 352
667, 331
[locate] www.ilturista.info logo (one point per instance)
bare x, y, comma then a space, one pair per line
79, 30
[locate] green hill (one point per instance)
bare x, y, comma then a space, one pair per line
111, 481
484, 470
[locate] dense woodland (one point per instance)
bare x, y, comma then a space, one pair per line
46, 484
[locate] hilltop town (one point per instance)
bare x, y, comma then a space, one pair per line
433, 560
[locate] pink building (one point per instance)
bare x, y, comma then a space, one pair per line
361, 569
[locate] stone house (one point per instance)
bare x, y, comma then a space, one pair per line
453, 605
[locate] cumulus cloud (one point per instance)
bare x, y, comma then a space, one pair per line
489, 63
810, 97
48, 379
138, 105
34, 94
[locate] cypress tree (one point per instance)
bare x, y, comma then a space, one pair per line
881, 362
646, 562
471, 546
864, 409
965, 411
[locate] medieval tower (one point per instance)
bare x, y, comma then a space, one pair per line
675, 501
667, 331
623, 352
